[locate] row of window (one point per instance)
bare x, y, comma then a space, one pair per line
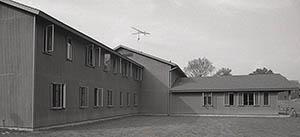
58, 97
243, 99
119, 65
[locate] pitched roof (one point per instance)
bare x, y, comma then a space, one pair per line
41, 14
267, 82
295, 83
146, 55
173, 65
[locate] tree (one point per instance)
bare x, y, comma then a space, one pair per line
223, 72
262, 71
199, 67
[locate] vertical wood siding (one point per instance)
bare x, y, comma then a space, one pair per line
56, 68
16, 67
155, 84
192, 103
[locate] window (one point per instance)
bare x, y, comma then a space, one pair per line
139, 75
115, 65
207, 99
128, 99
128, 69
99, 56
90, 56
106, 62
134, 99
124, 68
241, 101
266, 98
134, 75
49, 39
109, 98
83, 97
229, 99
248, 99
69, 49
121, 99
256, 97
121, 65
98, 97
58, 96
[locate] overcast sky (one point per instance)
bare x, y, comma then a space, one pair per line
239, 34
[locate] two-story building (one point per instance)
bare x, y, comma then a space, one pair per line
52, 74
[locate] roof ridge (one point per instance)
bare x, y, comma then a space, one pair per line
146, 54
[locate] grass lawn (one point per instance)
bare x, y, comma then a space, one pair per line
152, 126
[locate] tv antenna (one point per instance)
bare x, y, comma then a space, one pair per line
139, 32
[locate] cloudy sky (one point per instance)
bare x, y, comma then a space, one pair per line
239, 34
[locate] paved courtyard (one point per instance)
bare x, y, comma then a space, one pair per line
151, 126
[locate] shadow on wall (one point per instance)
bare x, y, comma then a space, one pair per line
185, 103
154, 94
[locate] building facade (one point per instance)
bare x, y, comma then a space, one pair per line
51, 74
158, 77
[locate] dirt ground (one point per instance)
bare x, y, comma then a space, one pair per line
151, 126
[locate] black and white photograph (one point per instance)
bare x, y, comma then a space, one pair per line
149, 68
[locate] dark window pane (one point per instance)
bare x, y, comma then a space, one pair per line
245, 98
251, 99
209, 100
266, 98
231, 99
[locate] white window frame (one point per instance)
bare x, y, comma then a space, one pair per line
248, 99
121, 96
128, 99
115, 65
62, 96
110, 98
263, 96
90, 62
69, 49
98, 99
135, 99
207, 95
99, 56
87, 97
46, 39
107, 62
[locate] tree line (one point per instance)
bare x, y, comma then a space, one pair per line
202, 67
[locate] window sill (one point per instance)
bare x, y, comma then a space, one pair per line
207, 105
48, 53
70, 60
57, 108
96, 107
83, 107
266, 105
110, 106
90, 66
